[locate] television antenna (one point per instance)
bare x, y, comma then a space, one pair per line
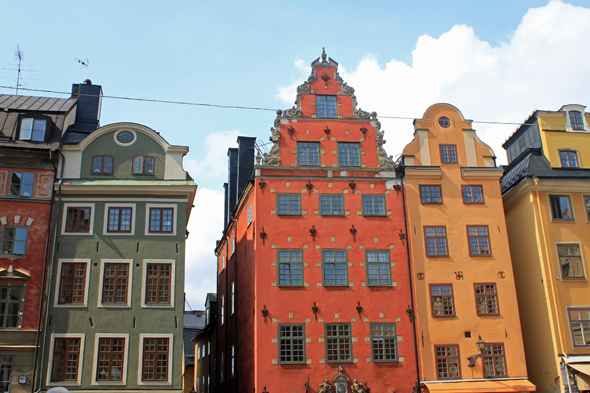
19, 56
85, 64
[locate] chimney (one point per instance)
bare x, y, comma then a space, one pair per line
88, 107
245, 163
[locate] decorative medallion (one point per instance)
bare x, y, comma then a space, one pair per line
125, 137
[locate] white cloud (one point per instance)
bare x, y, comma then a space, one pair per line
542, 66
287, 93
214, 163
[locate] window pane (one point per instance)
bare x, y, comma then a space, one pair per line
39, 130
26, 128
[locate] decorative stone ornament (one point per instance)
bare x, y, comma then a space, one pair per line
385, 162
357, 387
341, 382
274, 157
325, 387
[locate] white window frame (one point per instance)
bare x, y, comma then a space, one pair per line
97, 338
172, 282
64, 217
233, 297
105, 228
148, 206
568, 123
558, 263
142, 336
60, 262
222, 319
54, 336
129, 283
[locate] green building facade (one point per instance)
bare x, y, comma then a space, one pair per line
116, 276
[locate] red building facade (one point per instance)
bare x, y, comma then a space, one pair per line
313, 279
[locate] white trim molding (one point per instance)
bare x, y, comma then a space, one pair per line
172, 206
105, 227
64, 218
129, 283
143, 336
78, 380
123, 380
172, 262
58, 282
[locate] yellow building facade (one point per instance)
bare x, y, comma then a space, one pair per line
468, 330
546, 192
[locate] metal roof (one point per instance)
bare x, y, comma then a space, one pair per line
37, 104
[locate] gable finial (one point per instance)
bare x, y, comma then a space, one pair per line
324, 55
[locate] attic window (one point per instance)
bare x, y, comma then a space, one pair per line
444, 122
326, 106
576, 120
32, 130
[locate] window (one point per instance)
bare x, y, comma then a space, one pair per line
125, 137
373, 205
102, 165
436, 241
10, 298
575, 120
143, 165
233, 300
209, 348
156, 359
441, 299
494, 361
384, 342
66, 359
198, 352
561, 208
430, 194
292, 343
338, 342
232, 364
378, 268
587, 205
326, 106
78, 219
233, 245
580, 326
115, 283
158, 284
161, 219
221, 367
72, 283
308, 153
447, 361
14, 240
289, 204
472, 194
5, 373
21, 184
32, 130
222, 310
570, 261
479, 240
448, 154
335, 267
349, 154
444, 122
568, 158
223, 261
120, 219
290, 267
249, 214
486, 299
331, 204
111, 354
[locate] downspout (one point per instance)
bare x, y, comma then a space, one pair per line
226, 379
418, 389
235, 303
55, 227
567, 375
39, 321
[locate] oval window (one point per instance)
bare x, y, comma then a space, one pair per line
444, 122
125, 137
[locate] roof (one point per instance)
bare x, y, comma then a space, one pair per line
36, 104
194, 319
194, 322
211, 297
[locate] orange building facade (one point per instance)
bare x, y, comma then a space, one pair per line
468, 328
313, 274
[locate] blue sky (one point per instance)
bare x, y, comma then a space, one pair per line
496, 61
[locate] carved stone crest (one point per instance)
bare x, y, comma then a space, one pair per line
274, 157
385, 162
325, 387
357, 387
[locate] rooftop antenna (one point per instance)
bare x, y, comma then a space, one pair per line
85, 64
19, 56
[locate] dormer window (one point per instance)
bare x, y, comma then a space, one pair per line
576, 120
326, 106
102, 165
143, 165
32, 130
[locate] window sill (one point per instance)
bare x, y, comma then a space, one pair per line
562, 220
437, 256
573, 278
71, 305
12, 257
385, 361
289, 214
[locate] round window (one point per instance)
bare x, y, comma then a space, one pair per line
444, 122
125, 137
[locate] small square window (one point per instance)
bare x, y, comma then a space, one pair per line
21, 184
486, 299
14, 240
373, 205
378, 268
561, 208
292, 343
576, 120
161, 219
479, 240
119, 219
447, 361
570, 261
441, 300
290, 267
308, 153
289, 204
579, 321
143, 165
448, 154
436, 241
494, 361
349, 154
335, 267
472, 194
32, 129
326, 106
338, 342
430, 194
102, 165
78, 219
568, 158
332, 204
10, 307
384, 342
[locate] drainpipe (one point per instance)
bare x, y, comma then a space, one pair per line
226, 377
567, 375
47, 240
235, 303
410, 279
53, 252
